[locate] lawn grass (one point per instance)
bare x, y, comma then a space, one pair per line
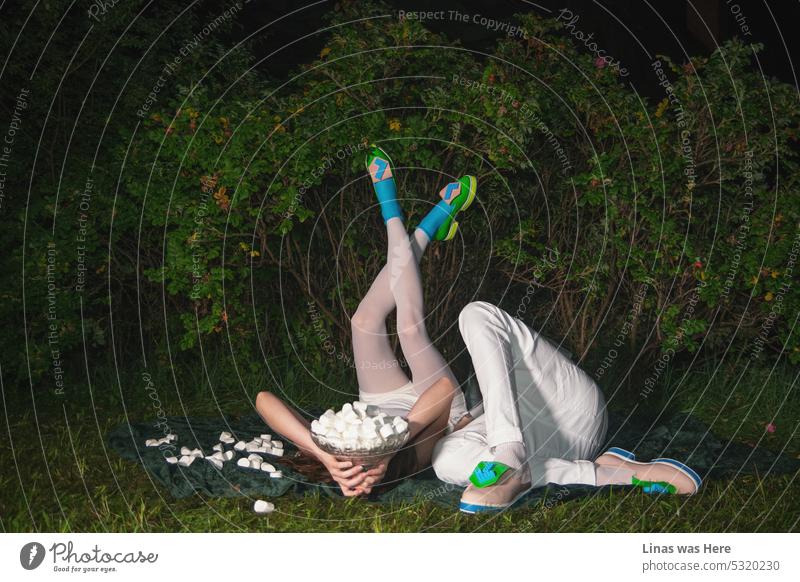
62, 478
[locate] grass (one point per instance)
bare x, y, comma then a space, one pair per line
61, 478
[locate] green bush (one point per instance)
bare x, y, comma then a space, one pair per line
243, 215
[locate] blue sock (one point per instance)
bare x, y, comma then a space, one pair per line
387, 196
434, 219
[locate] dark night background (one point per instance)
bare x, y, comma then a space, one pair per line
675, 28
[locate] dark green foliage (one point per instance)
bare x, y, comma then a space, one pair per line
235, 214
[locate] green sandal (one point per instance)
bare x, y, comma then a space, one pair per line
464, 196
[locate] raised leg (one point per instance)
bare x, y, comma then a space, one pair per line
377, 367
426, 363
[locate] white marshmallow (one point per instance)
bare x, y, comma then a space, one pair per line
242, 462
276, 474
186, 451
239, 446
277, 452
263, 507
186, 460
400, 425
358, 405
228, 455
197, 452
218, 455
253, 457
172, 460
368, 431
172, 437
151, 443
266, 437
224, 435
268, 467
218, 447
216, 462
255, 463
277, 444
347, 407
316, 427
251, 446
228, 441
386, 431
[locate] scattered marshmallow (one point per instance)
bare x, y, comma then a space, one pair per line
263, 507
266, 437
216, 462
277, 444
242, 462
151, 443
255, 463
186, 460
186, 451
277, 452
218, 447
196, 452
228, 455
172, 460
276, 475
239, 446
269, 468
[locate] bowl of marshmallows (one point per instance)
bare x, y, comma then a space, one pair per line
359, 431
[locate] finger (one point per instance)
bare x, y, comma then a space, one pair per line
378, 470
355, 481
348, 473
352, 472
349, 492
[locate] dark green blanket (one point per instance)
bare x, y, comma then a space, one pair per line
681, 437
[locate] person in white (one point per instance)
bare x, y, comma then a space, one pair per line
542, 420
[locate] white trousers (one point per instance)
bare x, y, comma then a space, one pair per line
532, 393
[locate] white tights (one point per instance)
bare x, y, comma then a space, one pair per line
397, 285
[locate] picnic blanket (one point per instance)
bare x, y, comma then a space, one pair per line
680, 436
